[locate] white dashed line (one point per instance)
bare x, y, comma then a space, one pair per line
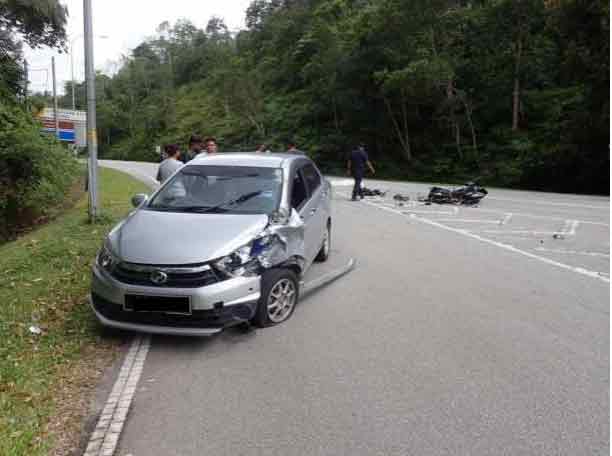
548, 203
578, 270
496, 222
574, 252
103, 441
531, 232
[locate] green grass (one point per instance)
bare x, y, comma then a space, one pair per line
44, 280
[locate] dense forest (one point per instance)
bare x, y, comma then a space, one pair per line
514, 92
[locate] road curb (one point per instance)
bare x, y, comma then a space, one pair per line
103, 440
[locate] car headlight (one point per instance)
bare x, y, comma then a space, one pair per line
106, 260
250, 258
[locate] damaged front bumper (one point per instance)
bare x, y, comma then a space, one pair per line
211, 308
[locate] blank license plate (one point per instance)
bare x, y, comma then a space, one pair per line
167, 304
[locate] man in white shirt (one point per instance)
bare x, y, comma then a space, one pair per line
170, 164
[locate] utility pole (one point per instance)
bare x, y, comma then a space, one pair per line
72, 41
92, 137
72, 75
25, 82
54, 98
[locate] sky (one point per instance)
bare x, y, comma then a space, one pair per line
119, 26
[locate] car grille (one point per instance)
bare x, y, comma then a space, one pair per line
177, 277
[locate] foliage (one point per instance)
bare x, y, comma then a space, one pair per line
38, 23
513, 91
35, 170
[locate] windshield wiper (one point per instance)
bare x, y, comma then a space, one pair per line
239, 200
162, 207
179, 208
193, 208
205, 209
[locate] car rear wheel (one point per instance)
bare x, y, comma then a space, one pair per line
279, 295
323, 254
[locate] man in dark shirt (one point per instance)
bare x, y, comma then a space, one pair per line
355, 166
196, 145
292, 149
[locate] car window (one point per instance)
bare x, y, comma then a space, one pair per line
221, 189
312, 177
299, 194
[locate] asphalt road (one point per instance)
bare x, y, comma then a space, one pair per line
460, 332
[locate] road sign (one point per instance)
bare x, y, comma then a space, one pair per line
72, 125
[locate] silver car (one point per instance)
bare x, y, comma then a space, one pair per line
226, 240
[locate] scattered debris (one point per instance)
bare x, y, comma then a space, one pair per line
372, 192
400, 199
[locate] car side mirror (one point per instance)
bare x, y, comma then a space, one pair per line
139, 198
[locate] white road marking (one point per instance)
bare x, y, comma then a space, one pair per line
412, 211
578, 270
341, 182
506, 219
574, 252
531, 232
543, 217
566, 227
496, 222
103, 440
548, 203
573, 226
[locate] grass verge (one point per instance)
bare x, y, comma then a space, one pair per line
45, 278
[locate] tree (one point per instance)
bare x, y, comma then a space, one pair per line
40, 23
513, 91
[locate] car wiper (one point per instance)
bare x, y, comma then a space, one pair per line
162, 208
180, 208
193, 208
238, 200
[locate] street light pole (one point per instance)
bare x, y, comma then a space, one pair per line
92, 137
72, 70
25, 82
72, 64
54, 98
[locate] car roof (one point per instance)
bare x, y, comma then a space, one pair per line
247, 159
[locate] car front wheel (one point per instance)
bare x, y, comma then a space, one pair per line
279, 295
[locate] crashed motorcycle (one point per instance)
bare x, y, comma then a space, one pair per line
469, 194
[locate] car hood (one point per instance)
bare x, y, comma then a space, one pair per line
171, 238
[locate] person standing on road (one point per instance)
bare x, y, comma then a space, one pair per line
170, 164
291, 149
355, 166
196, 146
211, 146
263, 149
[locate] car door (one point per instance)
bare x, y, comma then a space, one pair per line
318, 210
303, 203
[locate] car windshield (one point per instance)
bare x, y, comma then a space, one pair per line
221, 189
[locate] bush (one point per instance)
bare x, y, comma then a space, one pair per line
35, 169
